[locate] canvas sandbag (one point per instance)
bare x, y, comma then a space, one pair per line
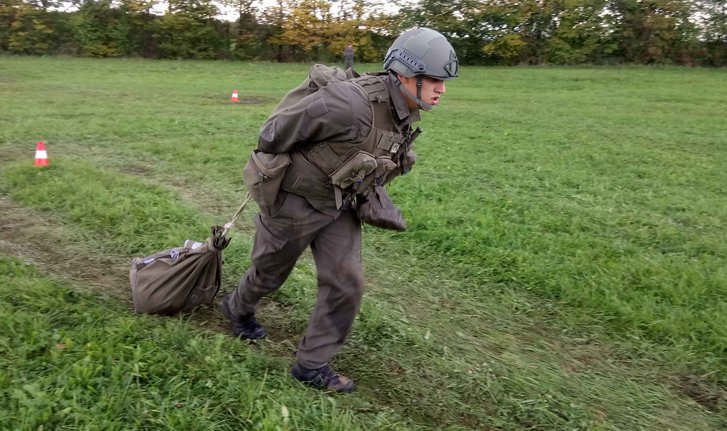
179, 278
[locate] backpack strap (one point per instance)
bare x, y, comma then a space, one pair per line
385, 137
374, 88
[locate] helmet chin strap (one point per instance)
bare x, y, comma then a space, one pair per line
420, 103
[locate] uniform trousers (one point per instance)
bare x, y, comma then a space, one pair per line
283, 232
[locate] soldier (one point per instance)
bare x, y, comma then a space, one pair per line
345, 141
348, 57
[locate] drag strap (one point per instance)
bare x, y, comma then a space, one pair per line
231, 223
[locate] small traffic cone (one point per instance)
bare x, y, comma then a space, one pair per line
41, 156
234, 98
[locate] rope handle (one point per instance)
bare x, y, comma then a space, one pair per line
231, 223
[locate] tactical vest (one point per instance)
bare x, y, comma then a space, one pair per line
327, 173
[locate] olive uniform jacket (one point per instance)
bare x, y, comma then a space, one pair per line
325, 129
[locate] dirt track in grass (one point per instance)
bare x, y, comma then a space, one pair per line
39, 239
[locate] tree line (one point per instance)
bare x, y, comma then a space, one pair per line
496, 32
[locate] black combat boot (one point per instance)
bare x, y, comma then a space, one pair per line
322, 378
245, 326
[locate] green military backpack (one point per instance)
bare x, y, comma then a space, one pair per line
264, 172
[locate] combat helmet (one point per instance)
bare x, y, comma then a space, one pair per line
422, 52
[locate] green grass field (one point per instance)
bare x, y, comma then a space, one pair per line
565, 266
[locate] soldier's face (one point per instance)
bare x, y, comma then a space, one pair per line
432, 90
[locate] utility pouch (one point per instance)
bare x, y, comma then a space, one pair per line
378, 210
384, 166
353, 170
263, 174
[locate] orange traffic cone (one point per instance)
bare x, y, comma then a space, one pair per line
234, 98
41, 156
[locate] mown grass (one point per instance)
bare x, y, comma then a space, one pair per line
70, 363
564, 266
613, 201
